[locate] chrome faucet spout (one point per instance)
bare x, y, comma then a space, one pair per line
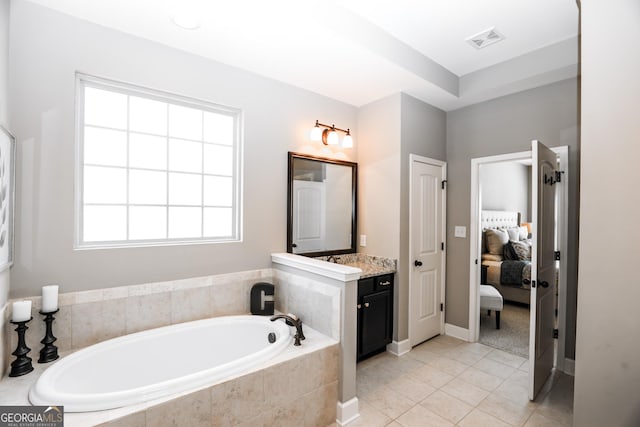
292, 320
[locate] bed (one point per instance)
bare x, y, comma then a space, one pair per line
506, 255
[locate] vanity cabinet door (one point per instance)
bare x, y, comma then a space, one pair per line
375, 318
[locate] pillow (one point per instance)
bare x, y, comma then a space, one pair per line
514, 233
495, 240
523, 233
491, 257
517, 251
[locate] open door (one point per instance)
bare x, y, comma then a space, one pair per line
543, 267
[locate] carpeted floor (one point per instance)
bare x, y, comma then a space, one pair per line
513, 335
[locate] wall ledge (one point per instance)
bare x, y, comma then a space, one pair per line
339, 272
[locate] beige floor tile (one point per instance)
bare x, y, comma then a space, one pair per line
401, 365
507, 410
515, 388
435, 347
481, 379
411, 388
506, 358
447, 406
394, 424
448, 365
477, 348
389, 402
495, 368
537, 420
466, 356
465, 391
448, 340
478, 418
419, 416
370, 417
432, 376
423, 354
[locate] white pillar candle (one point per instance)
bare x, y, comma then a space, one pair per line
21, 311
49, 298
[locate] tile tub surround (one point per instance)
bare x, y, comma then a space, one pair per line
315, 302
86, 318
370, 265
298, 388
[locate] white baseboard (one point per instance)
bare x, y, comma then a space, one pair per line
347, 412
456, 332
398, 348
569, 366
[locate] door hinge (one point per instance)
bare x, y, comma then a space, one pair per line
553, 178
444, 183
476, 261
441, 307
555, 333
556, 255
442, 246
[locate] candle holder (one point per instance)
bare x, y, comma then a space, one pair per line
49, 352
22, 365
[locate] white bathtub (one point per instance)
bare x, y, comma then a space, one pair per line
151, 364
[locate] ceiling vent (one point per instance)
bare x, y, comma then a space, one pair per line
485, 38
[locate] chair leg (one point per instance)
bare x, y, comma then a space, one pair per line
497, 319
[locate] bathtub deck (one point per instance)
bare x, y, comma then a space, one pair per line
14, 391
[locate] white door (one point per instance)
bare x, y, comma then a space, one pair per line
309, 221
543, 267
426, 237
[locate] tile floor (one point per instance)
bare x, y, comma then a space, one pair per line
448, 382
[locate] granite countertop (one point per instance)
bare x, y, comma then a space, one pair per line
370, 265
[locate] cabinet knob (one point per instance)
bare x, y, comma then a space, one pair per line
366, 304
359, 306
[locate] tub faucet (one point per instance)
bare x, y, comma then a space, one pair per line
333, 258
292, 320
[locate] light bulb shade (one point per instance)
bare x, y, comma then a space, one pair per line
316, 133
347, 141
332, 138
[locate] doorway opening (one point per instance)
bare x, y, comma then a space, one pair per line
477, 275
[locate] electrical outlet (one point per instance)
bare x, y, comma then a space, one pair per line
363, 240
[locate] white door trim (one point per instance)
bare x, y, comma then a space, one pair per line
475, 251
421, 159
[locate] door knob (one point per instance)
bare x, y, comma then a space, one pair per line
417, 263
544, 284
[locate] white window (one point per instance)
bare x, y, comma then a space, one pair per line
154, 168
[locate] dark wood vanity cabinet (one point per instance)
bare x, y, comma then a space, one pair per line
375, 314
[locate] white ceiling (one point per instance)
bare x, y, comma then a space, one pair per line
358, 51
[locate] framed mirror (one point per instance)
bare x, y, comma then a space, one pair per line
322, 212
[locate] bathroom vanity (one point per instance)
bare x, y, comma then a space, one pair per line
375, 314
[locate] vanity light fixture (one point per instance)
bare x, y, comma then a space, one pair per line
329, 135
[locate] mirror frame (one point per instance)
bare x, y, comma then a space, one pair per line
354, 203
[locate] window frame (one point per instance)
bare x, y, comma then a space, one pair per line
82, 82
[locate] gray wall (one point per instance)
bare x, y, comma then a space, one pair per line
423, 132
393, 128
505, 186
507, 125
608, 336
46, 49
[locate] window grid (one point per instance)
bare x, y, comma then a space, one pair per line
229, 234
